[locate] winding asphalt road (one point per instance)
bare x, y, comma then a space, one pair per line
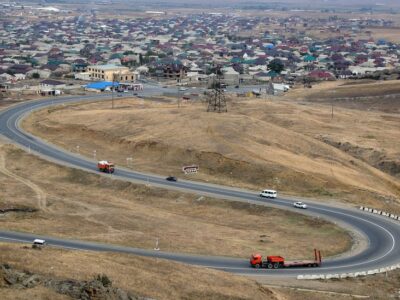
382, 234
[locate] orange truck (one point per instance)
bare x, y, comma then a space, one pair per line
105, 166
276, 262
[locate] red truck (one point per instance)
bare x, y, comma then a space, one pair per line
105, 166
276, 262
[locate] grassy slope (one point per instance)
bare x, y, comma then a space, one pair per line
76, 204
146, 277
255, 145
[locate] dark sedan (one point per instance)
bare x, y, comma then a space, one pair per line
171, 178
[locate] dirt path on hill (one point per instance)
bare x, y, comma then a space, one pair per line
40, 194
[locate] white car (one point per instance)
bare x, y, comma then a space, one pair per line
300, 205
39, 242
268, 193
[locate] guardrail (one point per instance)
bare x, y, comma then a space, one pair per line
357, 274
348, 275
379, 212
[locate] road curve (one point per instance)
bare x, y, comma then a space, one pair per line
383, 235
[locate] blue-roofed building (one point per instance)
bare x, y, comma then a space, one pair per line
269, 46
101, 85
381, 42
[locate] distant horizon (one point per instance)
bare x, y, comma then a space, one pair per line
235, 2
333, 6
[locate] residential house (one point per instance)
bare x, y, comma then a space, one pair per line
51, 87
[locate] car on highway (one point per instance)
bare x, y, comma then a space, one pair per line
182, 89
39, 242
300, 205
268, 193
171, 178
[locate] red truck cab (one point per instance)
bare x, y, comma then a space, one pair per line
275, 262
256, 260
105, 166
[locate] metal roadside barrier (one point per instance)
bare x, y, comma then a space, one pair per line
362, 273
348, 275
382, 213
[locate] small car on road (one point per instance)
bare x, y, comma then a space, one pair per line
300, 205
171, 178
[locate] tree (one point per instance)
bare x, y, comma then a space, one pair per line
33, 62
104, 280
276, 65
35, 75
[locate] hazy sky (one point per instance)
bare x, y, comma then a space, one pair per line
283, 1
300, 2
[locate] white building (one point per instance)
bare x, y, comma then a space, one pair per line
83, 76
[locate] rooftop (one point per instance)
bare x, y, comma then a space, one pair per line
107, 67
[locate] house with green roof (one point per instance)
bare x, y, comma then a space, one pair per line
309, 58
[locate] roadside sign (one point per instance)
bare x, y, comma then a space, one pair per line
190, 169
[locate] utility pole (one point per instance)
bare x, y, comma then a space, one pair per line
112, 91
157, 248
114, 77
129, 161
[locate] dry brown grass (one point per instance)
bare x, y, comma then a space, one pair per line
86, 206
158, 279
257, 144
389, 34
347, 89
165, 280
39, 292
378, 287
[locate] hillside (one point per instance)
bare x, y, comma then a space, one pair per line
47, 199
26, 273
290, 145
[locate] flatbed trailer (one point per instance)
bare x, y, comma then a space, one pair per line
276, 262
